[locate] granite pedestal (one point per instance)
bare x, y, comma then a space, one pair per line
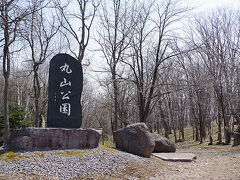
54, 138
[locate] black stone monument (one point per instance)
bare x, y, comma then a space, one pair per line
64, 92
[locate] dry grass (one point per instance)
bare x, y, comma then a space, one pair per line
77, 153
9, 156
40, 154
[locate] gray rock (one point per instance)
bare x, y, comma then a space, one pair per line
163, 144
135, 139
52, 138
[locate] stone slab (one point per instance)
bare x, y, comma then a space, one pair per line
65, 89
179, 156
54, 138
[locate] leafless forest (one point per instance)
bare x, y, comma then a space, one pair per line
155, 62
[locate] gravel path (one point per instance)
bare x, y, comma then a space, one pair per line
65, 164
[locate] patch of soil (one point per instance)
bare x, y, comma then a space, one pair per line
22, 176
136, 170
212, 163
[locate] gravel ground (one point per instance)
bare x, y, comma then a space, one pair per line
65, 164
212, 163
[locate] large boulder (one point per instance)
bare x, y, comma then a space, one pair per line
163, 144
54, 138
135, 139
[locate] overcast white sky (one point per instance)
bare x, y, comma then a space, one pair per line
202, 5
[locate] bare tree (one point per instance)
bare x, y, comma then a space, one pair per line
11, 14
38, 34
151, 46
218, 52
78, 25
114, 34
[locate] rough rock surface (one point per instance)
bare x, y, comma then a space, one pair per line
53, 138
135, 139
163, 144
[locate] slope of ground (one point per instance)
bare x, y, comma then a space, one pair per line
212, 163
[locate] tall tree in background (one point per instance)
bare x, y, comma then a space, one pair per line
38, 34
11, 15
151, 46
77, 24
115, 31
220, 39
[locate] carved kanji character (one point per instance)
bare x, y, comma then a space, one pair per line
65, 96
65, 83
65, 108
65, 68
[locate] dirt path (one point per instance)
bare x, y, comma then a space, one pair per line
212, 163
217, 166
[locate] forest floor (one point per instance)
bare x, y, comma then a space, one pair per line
213, 162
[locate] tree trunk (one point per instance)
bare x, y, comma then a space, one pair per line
112, 121
115, 91
37, 92
201, 137
202, 131
210, 134
175, 134
227, 135
6, 74
6, 118
141, 104
182, 132
36, 122
193, 133
179, 135
210, 140
18, 95
166, 128
219, 131
196, 135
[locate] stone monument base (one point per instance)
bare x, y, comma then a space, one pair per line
54, 138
